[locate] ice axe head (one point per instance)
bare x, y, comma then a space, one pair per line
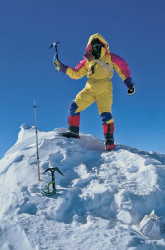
52, 170
54, 44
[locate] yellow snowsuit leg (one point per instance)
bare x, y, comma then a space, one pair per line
99, 91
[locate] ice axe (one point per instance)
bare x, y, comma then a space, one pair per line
47, 191
56, 51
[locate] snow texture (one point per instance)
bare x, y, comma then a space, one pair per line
100, 200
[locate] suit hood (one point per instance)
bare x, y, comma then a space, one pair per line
88, 54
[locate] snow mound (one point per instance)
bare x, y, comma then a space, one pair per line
100, 199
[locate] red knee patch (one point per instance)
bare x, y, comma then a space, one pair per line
74, 120
108, 128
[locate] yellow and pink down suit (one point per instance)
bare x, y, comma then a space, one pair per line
99, 86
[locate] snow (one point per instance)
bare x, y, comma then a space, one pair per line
100, 200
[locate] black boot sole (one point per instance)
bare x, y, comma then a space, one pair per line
70, 135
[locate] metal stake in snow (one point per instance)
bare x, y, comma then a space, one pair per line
37, 140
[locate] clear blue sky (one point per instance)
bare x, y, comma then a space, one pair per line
135, 30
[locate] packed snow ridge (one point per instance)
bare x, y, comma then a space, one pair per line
100, 200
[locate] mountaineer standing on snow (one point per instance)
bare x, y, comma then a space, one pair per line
98, 65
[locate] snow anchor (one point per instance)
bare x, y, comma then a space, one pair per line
47, 191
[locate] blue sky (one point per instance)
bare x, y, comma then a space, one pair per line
134, 30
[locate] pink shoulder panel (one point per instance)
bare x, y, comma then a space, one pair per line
81, 64
121, 64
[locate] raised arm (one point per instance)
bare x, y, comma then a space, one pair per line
76, 73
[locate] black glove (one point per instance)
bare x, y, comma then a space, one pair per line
131, 91
130, 85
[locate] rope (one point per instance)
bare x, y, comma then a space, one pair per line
107, 68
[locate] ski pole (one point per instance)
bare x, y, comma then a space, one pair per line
35, 106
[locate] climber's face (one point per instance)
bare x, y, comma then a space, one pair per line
96, 48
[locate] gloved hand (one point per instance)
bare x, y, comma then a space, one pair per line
130, 85
131, 90
59, 66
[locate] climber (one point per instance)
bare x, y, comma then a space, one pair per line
98, 65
